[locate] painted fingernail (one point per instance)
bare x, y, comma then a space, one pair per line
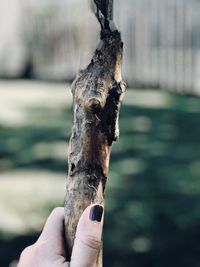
96, 213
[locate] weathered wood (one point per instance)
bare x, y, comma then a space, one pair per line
97, 94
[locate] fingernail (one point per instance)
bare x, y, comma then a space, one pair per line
96, 213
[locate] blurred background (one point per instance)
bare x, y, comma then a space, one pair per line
153, 192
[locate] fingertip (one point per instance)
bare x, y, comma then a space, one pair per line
88, 237
93, 213
57, 212
91, 221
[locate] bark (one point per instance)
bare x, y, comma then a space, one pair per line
97, 94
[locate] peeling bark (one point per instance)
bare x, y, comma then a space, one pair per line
97, 94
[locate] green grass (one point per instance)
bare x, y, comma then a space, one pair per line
153, 192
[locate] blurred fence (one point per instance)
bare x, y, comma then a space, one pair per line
163, 45
162, 41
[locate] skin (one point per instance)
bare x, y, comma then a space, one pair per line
49, 250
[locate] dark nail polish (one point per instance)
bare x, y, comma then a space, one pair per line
96, 213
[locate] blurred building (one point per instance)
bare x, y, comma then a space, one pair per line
53, 39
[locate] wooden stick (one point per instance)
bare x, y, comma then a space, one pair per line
97, 94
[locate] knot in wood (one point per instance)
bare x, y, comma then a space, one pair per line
93, 105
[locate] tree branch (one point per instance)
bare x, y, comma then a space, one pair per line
104, 12
97, 94
110, 9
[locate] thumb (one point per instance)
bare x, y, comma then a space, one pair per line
88, 237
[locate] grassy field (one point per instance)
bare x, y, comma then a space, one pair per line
153, 193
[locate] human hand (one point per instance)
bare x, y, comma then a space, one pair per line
49, 250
